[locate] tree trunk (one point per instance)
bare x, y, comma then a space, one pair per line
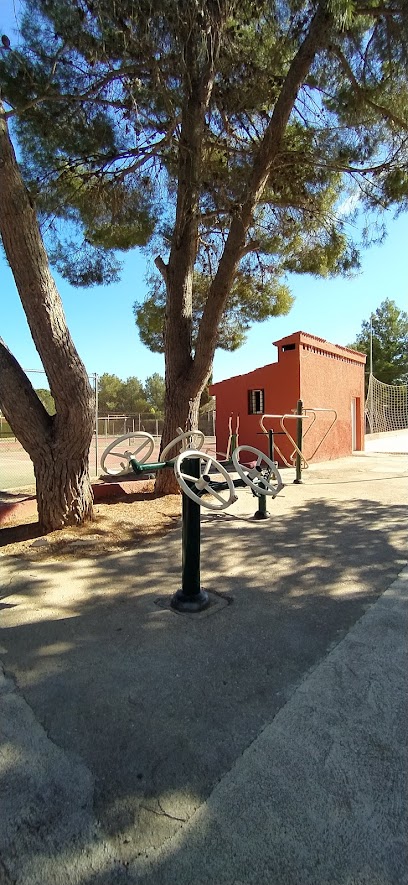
58, 445
186, 375
183, 391
181, 410
59, 452
64, 493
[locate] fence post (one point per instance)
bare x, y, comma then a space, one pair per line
96, 422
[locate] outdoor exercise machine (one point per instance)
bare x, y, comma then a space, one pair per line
196, 473
297, 457
229, 460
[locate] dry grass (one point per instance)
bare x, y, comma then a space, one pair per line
118, 524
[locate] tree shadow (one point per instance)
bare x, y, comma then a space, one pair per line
12, 534
159, 705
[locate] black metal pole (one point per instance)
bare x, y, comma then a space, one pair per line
299, 411
191, 598
270, 441
262, 512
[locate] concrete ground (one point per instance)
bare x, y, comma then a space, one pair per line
261, 742
395, 441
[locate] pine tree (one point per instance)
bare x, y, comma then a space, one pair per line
385, 336
226, 134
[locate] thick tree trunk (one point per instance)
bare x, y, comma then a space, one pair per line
183, 391
58, 446
59, 450
64, 493
181, 410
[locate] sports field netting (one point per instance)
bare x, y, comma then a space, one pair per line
386, 406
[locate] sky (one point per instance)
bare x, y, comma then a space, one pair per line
103, 328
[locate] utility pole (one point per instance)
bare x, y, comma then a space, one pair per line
370, 380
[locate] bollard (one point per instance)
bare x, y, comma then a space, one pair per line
191, 598
299, 411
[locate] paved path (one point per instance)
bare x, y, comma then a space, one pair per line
396, 441
262, 741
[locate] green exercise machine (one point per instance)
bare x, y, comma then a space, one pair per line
204, 481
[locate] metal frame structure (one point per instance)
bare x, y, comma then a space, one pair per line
297, 458
192, 468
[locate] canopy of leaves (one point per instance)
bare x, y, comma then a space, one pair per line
99, 88
155, 390
252, 299
47, 399
130, 397
388, 327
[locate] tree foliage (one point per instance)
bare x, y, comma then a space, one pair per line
388, 327
130, 397
155, 390
230, 136
99, 90
47, 399
252, 299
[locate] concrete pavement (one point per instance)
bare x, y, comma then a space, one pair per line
261, 741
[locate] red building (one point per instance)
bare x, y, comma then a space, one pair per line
328, 378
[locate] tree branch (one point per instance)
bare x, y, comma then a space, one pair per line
162, 267
389, 115
38, 293
269, 148
375, 11
20, 404
88, 95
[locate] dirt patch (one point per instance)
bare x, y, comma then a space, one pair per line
117, 524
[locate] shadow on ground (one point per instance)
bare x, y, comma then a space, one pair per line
160, 705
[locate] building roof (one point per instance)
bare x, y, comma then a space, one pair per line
319, 343
308, 342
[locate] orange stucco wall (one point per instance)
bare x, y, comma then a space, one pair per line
323, 375
332, 377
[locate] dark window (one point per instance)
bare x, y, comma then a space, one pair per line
288, 347
256, 402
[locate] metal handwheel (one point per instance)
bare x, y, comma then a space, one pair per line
198, 437
203, 483
144, 447
258, 477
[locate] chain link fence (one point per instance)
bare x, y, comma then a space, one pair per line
117, 425
16, 469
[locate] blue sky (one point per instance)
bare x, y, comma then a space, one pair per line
102, 324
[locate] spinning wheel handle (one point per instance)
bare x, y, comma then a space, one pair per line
258, 477
141, 453
202, 483
181, 438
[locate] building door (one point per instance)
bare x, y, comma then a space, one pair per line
355, 424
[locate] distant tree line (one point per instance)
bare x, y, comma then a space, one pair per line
130, 397
117, 397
